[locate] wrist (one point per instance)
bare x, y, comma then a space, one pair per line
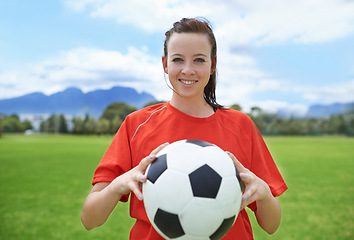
116, 188
267, 196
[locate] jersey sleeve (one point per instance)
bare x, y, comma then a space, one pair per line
263, 165
116, 160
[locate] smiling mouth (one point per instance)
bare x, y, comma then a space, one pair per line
187, 82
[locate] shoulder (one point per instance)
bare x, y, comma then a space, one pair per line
235, 116
236, 121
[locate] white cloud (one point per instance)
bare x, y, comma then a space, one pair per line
88, 69
278, 21
92, 69
239, 21
238, 24
284, 108
339, 92
151, 16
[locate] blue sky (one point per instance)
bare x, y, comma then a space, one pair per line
272, 53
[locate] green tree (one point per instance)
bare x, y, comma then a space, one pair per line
337, 125
78, 125
1, 117
256, 111
12, 123
350, 124
103, 126
90, 126
115, 124
236, 107
257, 116
54, 124
27, 124
116, 113
117, 109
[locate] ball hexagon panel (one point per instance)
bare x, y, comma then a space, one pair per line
205, 182
196, 221
174, 191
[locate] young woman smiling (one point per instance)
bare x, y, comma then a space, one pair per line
192, 113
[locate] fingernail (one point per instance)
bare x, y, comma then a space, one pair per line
140, 197
243, 176
244, 198
228, 152
166, 143
142, 178
151, 157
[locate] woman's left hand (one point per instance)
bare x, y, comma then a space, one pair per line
255, 188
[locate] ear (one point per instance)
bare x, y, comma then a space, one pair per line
164, 64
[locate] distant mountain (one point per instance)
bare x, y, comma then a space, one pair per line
318, 111
73, 101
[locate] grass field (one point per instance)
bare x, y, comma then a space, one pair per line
44, 180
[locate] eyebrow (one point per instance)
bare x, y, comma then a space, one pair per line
195, 55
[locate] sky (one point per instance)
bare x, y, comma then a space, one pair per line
274, 54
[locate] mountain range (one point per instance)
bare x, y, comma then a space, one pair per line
73, 101
318, 111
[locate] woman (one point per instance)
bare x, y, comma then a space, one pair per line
192, 113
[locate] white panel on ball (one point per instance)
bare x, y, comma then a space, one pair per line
201, 217
186, 161
229, 201
179, 195
216, 158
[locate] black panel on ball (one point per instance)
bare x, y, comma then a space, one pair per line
223, 229
157, 168
168, 223
205, 182
200, 143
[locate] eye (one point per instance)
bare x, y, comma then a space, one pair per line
177, 60
200, 60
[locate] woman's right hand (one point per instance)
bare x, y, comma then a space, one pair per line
104, 196
132, 180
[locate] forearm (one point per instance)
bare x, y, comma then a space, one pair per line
98, 206
268, 214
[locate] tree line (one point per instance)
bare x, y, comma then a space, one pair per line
271, 124
114, 115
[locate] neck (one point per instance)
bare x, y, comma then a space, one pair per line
195, 108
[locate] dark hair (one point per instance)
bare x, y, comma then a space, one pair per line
198, 25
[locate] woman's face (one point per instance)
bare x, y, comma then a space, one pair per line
188, 63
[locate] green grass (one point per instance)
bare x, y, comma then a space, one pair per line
44, 180
320, 198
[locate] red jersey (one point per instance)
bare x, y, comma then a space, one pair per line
144, 130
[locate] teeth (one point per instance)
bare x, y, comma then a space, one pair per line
187, 82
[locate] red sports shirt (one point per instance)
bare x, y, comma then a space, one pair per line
146, 129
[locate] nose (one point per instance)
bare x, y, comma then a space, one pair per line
188, 69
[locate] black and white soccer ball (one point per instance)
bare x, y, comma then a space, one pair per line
193, 191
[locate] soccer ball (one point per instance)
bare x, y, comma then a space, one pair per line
192, 191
